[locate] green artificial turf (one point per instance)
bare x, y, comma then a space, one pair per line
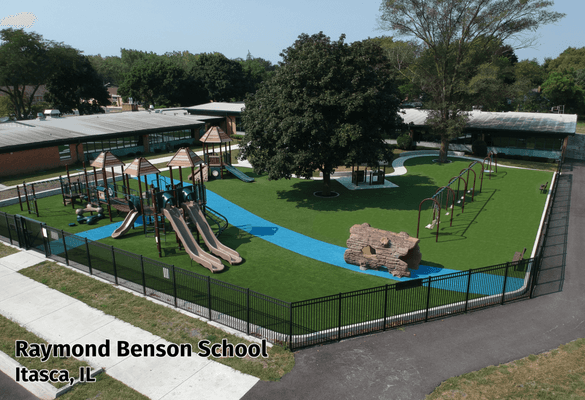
503, 219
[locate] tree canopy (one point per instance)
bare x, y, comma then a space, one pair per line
161, 82
75, 84
328, 104
452, 33
26, 62
223, 78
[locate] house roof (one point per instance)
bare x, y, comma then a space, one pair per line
39, 133
520, 122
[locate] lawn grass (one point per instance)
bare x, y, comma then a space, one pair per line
105, 387
556, 374
503, 218
580, 128
157, 319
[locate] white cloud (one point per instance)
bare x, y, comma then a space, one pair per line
21, 20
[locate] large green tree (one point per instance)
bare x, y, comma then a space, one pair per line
257, 70
224, 79
26, 62
75, 84
328, 104
159, 81
449, 31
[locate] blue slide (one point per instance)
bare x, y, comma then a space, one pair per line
239, 174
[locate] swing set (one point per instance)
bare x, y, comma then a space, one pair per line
445, 197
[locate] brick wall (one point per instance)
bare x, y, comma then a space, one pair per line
26, 161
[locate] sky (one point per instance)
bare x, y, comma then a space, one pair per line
263, 28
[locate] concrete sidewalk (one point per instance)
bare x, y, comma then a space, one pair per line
61, 319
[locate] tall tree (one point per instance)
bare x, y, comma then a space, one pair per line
257, 69
110, 68
75, 84
449, 30
327, 105
560, 89
26, 63
161, 82
223, 78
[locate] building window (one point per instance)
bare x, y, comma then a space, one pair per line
64, 152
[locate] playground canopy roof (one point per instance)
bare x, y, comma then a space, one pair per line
185, 157
39, 133
140, 167
215, 135
506, 122
105, 160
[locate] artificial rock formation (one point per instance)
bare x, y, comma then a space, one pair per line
372, 248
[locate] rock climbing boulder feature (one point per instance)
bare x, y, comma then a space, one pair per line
372, 248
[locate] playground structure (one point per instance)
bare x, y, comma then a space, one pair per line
372, 248
376, 177
29, 198
216, 163
173, 201
446, 195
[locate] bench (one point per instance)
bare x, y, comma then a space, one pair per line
543, 187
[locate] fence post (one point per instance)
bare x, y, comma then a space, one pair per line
505, 280
45, 240
209, 295
534, 272
114, 264
8, 226
468, 287
385, 305
174, 285
339, 320
65, 247
248, 311
428, 301
143, 276
88, 256
290, 326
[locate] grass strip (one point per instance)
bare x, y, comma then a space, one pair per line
156, 319
556, 374
6, 250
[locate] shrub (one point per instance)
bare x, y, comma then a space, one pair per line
479, 148
404, 141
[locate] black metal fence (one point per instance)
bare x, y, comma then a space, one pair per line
297, 324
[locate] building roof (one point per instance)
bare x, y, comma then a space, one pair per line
218, 108
520, 122
39, 133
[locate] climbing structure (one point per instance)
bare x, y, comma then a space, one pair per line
372, 248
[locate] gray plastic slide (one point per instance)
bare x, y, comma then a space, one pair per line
195, 252
215, 246
126, 225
